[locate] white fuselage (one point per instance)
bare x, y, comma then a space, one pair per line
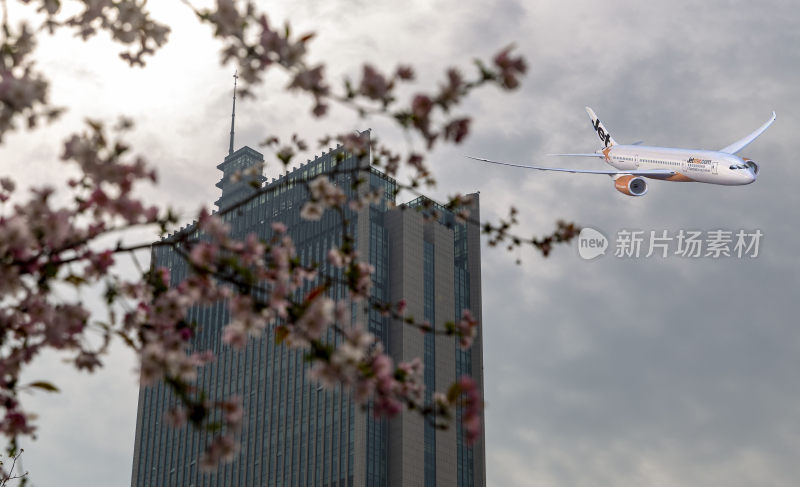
702, 166
630, 164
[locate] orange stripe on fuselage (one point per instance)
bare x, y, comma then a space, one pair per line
680, 177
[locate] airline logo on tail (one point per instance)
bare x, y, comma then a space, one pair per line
605, 137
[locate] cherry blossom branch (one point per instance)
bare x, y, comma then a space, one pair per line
6, 477
161, 334
497, 233
261, 283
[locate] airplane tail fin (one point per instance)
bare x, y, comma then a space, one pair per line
605, 137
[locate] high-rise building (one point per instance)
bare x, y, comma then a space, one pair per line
297, 433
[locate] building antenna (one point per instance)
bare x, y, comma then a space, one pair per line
233, 112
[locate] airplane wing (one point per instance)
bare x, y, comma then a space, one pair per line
742, 143
592, 154
635, 172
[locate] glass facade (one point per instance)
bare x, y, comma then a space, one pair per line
465, 455
296, 433
461, 280
429, 310
377, 429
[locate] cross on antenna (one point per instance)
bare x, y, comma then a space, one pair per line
233, 112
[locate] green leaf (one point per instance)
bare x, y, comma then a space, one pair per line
75, 280
49, 270
453, 392
44, 386
111, 293
281, 333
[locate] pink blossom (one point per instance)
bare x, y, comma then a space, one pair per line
361, 280
246, 321
440, 399
451, 92
349, 354
373, 84
175, 417
16, 422
364, 200
235, 335
312, 80
425, 327
233, 413
7, 184
227, 19
99, 263
87, 361
385, 401
325, 373
457, 130
382, 366
417, 162
311, 211
320, 108
336, 258
472, 406
279, 304
511, 68
355, 143
150, 369
386, 405
405, 72
467, 328
411, 387
324, 192
315, 320
346, 363
204, 256
342, 314
221, 449
213, 226
421, 107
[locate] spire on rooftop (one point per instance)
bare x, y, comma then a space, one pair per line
233, 112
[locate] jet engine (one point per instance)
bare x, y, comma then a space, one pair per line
631, 185
751, 164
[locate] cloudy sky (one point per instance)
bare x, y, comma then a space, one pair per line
616, 371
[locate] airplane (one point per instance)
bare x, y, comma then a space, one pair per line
632, 163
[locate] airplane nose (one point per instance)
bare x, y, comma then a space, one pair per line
751, 175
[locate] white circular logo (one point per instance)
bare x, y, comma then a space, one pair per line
591, 243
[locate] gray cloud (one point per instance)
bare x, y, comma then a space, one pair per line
654, 372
